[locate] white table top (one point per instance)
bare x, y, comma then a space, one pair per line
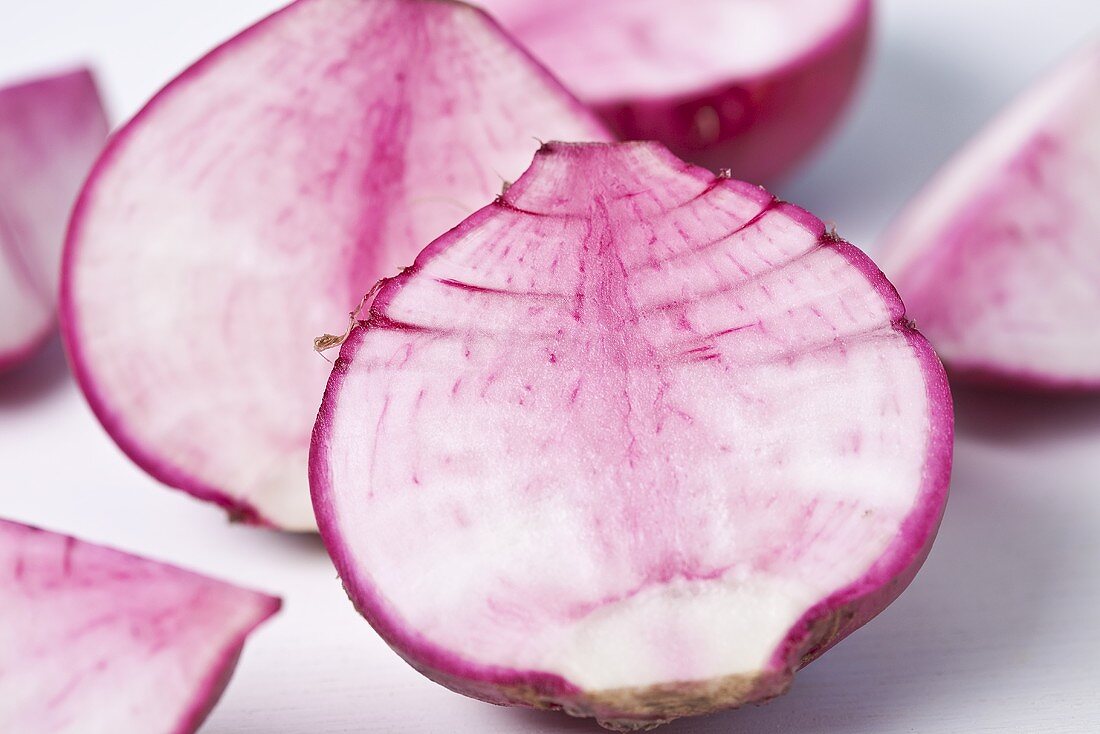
999, 633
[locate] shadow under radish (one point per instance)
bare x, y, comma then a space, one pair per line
271, 541
1024, 419
42, 374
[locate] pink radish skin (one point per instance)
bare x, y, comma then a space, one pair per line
633, 441
51, 130
740, 84
95, 641
999, 257
248, 207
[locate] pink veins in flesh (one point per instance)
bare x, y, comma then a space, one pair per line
95, 641
247, 209
630, 427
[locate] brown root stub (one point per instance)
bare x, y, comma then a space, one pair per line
644, 709
641, 709
325, 342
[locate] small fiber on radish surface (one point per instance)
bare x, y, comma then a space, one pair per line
741, 84
248, 207
999, 257
96, 641
633, 441
51, 130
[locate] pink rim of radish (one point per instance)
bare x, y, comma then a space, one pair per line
997, 256
102, 640
233, 221
51, 129
425, 460
749, 86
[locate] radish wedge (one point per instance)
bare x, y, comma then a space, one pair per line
250, 205
999, 257
748, 85
51, 130
95, 641
632, 441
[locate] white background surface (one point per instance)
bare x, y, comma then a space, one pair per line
999, 633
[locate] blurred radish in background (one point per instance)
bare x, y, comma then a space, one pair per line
51, 130
999, 257
746, 85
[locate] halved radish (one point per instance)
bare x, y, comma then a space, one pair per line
632, 441
95, 641
742, 84
51, 130
248, 207
999, 257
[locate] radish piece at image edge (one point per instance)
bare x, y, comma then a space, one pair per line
96, 641
251, 204
999, 257
632, 441
51, 130
740, 84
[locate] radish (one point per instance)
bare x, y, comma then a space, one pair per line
51, 130
248, 207
633, 441
95, 641
999, 257
744, 84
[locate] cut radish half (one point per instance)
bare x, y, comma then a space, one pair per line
744, 84
999, 257
250, 205
632, 441
95, 641
51, 130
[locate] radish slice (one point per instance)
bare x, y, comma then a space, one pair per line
250, 205
999, 257
51, 130
95, 641
744, 84
632, 441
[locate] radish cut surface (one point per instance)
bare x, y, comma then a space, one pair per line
250, 205
632, 441
999, 257
744, 84
51, 130
95, 641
